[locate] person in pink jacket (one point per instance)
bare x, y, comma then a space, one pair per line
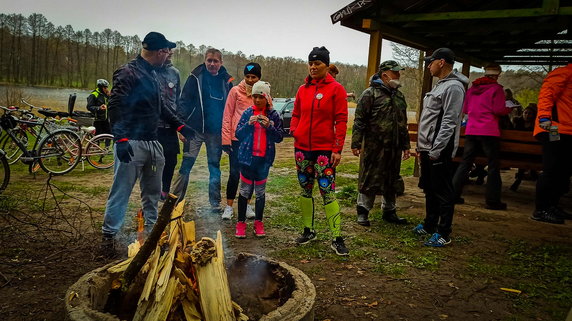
238, 100
484, 104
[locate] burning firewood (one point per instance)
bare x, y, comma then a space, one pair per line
187, 281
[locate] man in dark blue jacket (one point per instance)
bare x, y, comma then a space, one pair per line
202, 107
135, 108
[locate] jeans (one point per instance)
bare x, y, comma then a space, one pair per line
490, 147
555, 178
146, 164
436, 182
190, 152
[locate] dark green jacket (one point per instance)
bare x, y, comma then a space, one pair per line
380, 131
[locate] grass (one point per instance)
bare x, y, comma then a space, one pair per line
540, 272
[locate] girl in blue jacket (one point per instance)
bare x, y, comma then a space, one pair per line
259, 128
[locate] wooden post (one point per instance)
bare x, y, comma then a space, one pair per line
374, 56
427, 85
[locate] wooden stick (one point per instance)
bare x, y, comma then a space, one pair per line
121, 286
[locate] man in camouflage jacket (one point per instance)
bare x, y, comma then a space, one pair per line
381, 140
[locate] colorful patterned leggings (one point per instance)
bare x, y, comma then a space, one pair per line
316, 165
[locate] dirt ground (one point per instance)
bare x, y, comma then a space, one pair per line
389, 275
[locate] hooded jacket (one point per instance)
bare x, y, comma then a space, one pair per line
320, 115
192, 105
485, 104
245, 134
237, 102
556, 90
439, 124
136, 106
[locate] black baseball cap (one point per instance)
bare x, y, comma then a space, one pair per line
155, 41
442, 53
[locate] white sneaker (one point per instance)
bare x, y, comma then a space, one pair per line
227, 214
249, 212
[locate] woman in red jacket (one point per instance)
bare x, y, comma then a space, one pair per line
319, 123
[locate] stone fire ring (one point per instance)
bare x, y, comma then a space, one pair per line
86, 298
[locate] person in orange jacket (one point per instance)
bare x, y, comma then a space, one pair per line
553, 127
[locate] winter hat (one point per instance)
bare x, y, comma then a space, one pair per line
262, 88
253, 69
322, 54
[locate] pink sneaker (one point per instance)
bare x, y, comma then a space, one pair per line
259, 228
240, 230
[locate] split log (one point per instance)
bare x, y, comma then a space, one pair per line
208, 259
120, 288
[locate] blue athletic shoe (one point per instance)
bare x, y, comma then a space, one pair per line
436, 240
420, 230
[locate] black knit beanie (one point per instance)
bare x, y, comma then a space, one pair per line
322, 54
253, 69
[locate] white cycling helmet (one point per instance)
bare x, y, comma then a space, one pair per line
102, 83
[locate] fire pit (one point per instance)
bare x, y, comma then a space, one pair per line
266, 289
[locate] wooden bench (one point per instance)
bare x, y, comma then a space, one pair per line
518, 149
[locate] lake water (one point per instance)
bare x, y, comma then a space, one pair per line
54, 98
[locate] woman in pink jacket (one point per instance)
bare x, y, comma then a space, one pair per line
484, 104
238, 100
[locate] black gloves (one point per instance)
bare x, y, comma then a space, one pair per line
124, 151
227, 149
187, 132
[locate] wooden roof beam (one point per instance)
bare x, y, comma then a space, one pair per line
548, 9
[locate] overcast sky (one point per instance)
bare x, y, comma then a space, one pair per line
259, 27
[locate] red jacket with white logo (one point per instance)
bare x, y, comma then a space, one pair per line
320, 116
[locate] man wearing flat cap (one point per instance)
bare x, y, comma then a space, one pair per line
381, 140
437, 141
135, 108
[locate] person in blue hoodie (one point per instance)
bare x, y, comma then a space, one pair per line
438, 139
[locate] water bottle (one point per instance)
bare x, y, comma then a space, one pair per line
553, 134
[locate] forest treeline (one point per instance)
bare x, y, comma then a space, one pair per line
35, 52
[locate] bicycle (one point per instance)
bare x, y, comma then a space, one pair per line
98, 150
26, 130
4, 171
57, 153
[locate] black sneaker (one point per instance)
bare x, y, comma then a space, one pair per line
306, 236
548, 216
362, 216
107, 248
500, 206
339, 247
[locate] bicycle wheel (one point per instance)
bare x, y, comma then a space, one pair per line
99, 151
60, 152
13, 152
4, 171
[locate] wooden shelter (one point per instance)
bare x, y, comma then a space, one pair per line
508, 32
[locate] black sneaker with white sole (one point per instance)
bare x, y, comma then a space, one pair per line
339, 246
306, 236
